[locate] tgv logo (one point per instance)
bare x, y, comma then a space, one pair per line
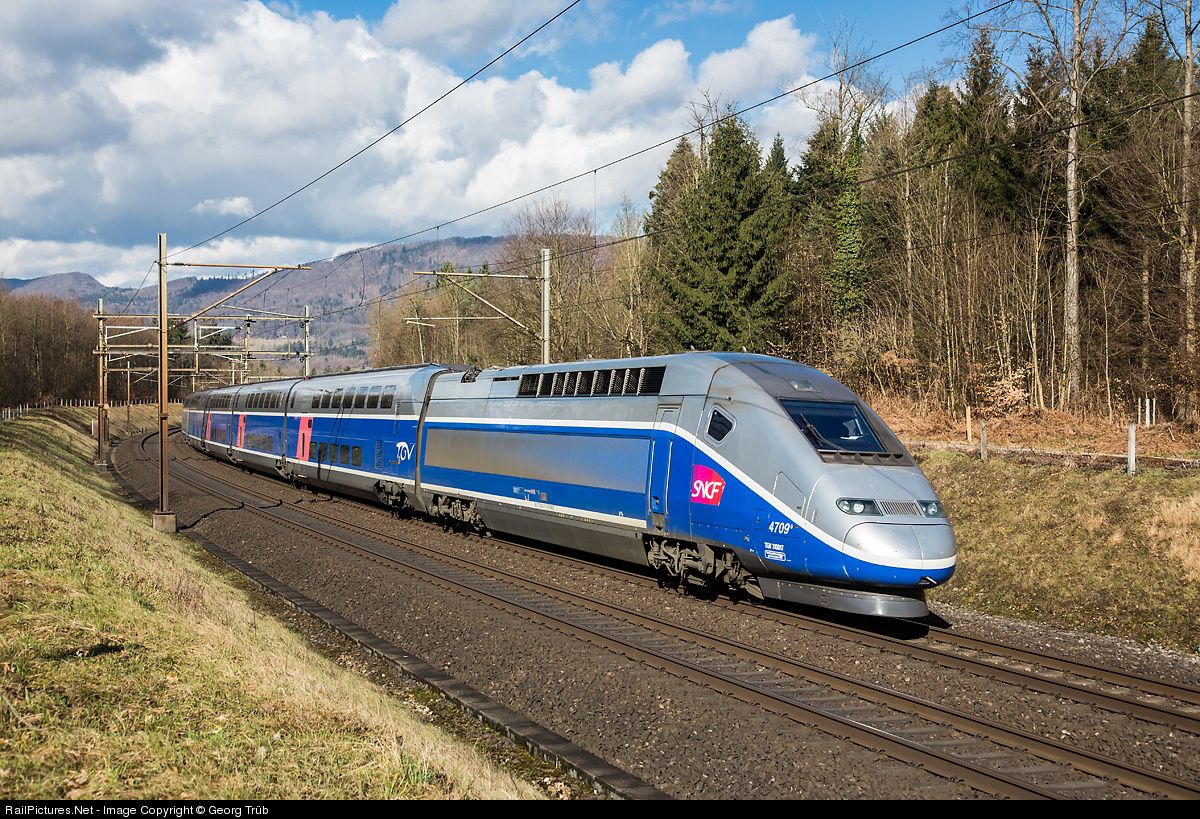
707, 486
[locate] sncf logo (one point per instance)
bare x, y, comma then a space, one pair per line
707, 486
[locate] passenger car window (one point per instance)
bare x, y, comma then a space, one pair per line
344, 454
356, 456
373, 398
386, 401
360, 399
719, 425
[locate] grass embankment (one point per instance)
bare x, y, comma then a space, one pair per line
128, 668
122, 421
1085, 550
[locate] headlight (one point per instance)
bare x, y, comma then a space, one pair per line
931, 509
858, 506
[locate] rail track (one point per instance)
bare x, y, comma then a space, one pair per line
983, 753
1157, 701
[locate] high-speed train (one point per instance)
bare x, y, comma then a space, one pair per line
728, 470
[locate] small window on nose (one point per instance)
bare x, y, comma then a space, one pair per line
719, 425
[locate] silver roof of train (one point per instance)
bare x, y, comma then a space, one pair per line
687, 373
692, 372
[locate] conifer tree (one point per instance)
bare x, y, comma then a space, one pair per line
847, 276
984, 108
673, 275
718, 243
763, 292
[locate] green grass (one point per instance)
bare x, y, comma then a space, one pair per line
1092, 551
128, 669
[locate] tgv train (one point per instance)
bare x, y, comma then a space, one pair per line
728, 470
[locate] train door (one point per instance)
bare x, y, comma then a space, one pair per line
207, 421
235, 422
662, 446
717, 515
304, 442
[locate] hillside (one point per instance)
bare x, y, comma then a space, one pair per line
328, 288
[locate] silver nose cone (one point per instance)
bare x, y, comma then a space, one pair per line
893, 551
902, 542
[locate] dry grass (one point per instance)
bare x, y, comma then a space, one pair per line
1046, 429
130, 670
1086, 550
1176, 523
122, 421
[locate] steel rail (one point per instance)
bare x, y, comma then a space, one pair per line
535, 739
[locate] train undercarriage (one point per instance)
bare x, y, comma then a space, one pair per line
685, 564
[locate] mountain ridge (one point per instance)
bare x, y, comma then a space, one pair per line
332, 288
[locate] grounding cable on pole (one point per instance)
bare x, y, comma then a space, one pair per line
545, 305
101, 392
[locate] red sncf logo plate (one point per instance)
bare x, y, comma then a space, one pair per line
707, 486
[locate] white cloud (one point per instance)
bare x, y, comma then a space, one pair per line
229, 206
773, 57
29, 259
453, 28
658, 77
236, 97
24, 183
127, 266
59, 36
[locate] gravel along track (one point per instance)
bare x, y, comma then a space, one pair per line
702, 698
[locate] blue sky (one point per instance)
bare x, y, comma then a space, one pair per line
125, 118
628, 27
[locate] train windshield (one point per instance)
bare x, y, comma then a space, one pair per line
833, 426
